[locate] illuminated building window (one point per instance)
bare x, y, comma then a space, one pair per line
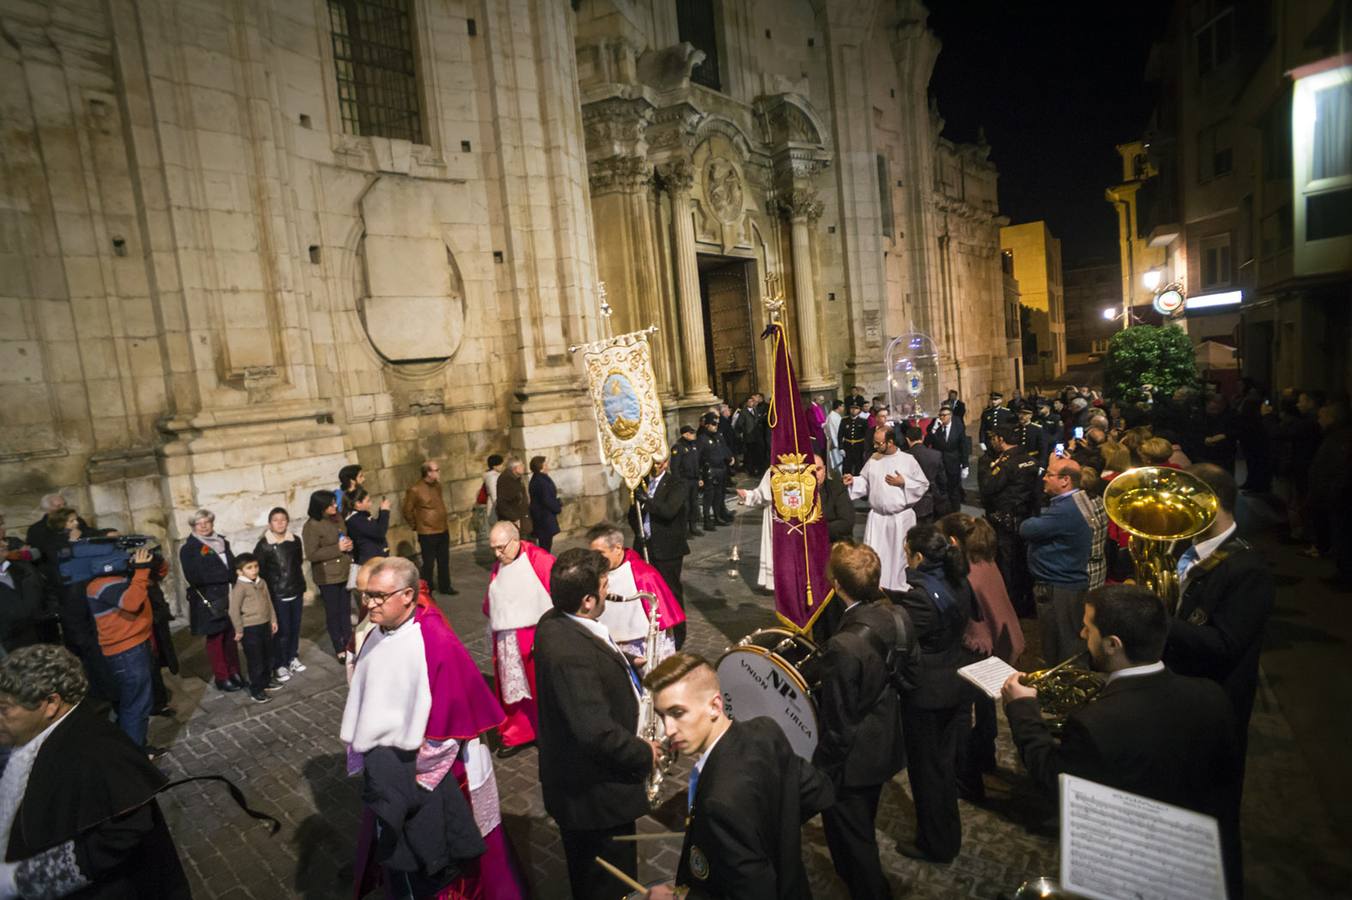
1321, 135
373, 54
1216, 261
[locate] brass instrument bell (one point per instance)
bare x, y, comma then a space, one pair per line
1158, 506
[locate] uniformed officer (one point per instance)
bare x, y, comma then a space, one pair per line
1029, 435
994, 414
749, 793
713, 461
686, 459
1008, 478
1048, 422
855, 439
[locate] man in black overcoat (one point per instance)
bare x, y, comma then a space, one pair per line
659, 517
86, 819
948, 435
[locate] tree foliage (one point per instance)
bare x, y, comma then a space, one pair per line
1146, 358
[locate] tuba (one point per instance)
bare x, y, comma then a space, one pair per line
1158, 506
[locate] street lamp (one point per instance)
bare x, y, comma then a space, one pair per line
1151, 279
1110, 314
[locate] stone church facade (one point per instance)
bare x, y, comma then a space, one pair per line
243, 242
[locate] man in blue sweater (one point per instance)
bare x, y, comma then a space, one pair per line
1058, 543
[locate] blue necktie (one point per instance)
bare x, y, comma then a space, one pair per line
690, 791
1186, 560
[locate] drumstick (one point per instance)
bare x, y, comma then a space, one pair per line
655, 836
620, 875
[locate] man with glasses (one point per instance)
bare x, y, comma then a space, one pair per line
416, 709
1058, 543
518, 594
948, 435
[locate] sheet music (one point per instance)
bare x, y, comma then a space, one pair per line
1116, 844
989, 675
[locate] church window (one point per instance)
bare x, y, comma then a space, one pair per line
885, 196
373, 54
697, 24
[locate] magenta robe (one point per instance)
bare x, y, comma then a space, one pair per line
647, 578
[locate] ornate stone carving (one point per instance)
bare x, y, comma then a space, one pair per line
677, 176
619, 173
800, 204
616, 127
723, 189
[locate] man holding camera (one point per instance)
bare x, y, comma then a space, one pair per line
120, 604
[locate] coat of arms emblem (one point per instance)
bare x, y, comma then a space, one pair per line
793, 484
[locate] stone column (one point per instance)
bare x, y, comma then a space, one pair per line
802, 208
677, 177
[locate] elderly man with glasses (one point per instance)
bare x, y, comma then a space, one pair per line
1058, 543
416, 709
518, 595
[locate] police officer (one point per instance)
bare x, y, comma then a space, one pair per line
714, 456
686, 459
1029, 435
1048, 422
1008, 478
994, 414
855, 438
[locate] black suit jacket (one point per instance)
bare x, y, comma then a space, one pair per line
1164, 736
956, 450
592, 762
1232, 601
935, 501
743, 840
838, 509
667, 513
860, 741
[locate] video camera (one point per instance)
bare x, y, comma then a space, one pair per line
96, 557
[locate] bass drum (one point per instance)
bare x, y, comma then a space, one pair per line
774, 672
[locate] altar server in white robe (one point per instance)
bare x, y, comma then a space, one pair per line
762, 497
893, 483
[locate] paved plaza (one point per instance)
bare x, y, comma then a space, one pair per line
288, 759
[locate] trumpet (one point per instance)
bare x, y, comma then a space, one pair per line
1063, 688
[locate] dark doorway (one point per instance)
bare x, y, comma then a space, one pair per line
729, 345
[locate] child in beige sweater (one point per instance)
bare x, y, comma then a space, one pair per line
255, 623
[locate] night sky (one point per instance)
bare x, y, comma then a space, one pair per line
1056, 85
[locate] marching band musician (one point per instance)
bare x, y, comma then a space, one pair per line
749, 793
593, 764
630, 575
1150, 731
860, 746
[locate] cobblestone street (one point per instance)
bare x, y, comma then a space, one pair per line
287, 758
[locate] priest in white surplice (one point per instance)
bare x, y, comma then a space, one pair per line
893, 483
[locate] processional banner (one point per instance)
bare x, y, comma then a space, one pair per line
800, 540
624, 397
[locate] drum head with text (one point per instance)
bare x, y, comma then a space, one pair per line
759, 683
